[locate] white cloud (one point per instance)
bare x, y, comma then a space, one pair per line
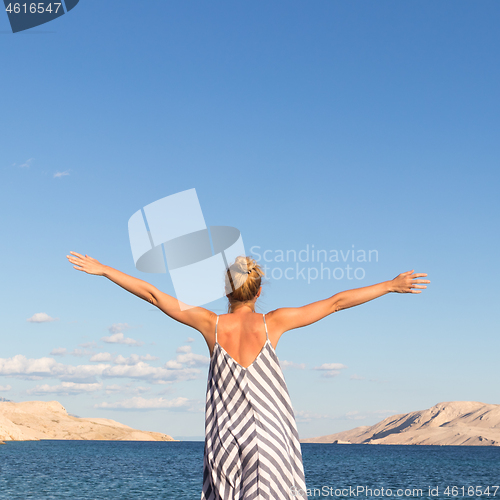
356, 377
41, 318
61, 174
35, 369
190, 339
133, 359
307, 416
357, 415
290, 364
26, 164
330, 369
88, 345
184, 367
32, 369
330, 366
66, 388
354, 415
140, 403
119, 338
114, 388
101, 356
81, 352
144, 371
187, 358
58, 351
21, 365
118, 327
383, 412
5, 388
128, 388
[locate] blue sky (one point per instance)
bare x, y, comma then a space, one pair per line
333, 124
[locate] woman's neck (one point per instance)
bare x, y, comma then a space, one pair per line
248, 307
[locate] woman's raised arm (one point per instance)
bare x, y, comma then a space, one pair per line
197, 317
288, 318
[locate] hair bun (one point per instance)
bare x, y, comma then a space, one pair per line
243, 279
243, 265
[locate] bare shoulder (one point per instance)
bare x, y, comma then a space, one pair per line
280, 320
207, 321
199, 318
289, 318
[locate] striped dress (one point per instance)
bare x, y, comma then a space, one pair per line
252, 448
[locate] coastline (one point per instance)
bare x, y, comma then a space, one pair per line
40, 420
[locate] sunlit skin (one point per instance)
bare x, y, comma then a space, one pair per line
241, 332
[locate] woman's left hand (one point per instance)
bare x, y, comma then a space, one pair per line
87, 264
406, 282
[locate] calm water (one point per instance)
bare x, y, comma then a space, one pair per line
98, 470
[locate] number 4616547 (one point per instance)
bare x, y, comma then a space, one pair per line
471, 491
32, 8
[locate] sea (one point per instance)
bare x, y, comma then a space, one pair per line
126, 470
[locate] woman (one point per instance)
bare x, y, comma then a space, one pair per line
252, 446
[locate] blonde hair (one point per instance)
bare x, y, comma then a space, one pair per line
243, 280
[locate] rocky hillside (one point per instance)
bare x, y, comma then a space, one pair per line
451, 423
34, 420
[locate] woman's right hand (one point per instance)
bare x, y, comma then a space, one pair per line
86, 264
407, 282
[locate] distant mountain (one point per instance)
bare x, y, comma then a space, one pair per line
451, 423
5, 400
35, 420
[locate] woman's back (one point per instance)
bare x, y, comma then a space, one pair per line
242, 335
252, 447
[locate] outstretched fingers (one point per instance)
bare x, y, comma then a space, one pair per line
77, 261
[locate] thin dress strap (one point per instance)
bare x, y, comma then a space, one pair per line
216, 323
265, 324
